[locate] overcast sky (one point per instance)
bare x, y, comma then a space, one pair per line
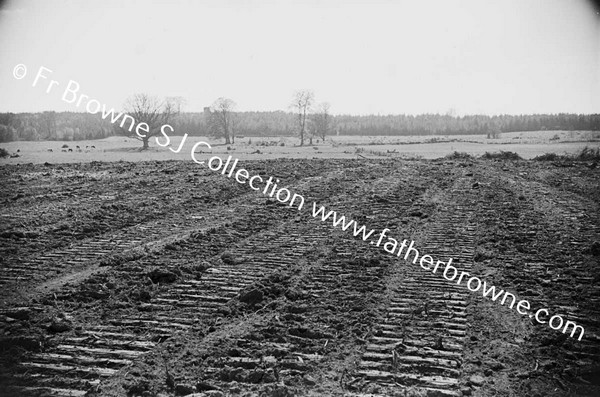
364, 57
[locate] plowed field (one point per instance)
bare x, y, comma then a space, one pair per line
166, 278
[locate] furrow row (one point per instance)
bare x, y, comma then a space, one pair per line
420, 343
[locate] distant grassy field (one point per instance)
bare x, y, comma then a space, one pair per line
526, 144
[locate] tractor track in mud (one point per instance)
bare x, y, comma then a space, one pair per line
185, 215
420, 342
76, 363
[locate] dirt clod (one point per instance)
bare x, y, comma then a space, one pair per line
252, 297
162, 276
184, 389
477, 380
61, 323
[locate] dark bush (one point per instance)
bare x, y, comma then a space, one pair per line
548, 157
502, 155
4, 153
586, 154
459, 156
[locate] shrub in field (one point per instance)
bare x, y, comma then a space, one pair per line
459, 156
502, 155
4, 153
378, 153
549, 157
586, 154
65, 146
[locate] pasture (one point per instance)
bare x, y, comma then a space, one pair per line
527, 144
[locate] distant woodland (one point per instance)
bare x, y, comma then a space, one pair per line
84, 126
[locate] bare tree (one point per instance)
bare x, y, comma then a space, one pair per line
302, 103
493, 130
221, 119
178, 102
322, 120
150, 110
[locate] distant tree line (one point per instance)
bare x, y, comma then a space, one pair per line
83, 126
67, 126
435, 124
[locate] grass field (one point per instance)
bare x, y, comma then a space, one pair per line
526, 144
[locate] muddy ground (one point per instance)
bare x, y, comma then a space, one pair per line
167, 279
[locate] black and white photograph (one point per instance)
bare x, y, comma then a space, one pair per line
263, 198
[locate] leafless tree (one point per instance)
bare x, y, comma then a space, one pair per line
221, 120
178, 102
493, 130
302, 104
152, 111
322, 120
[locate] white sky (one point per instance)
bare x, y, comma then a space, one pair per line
490, 57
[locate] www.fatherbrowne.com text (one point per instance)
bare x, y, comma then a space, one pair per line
269, 187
